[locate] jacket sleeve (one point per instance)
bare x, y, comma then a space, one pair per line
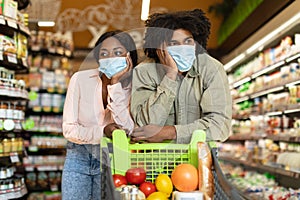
72, 129
151, 101
118, 104
216, 105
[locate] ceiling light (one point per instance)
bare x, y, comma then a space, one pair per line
46, 23
145, 9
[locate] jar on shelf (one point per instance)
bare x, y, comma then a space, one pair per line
6, 145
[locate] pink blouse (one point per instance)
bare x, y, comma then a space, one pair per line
84, 116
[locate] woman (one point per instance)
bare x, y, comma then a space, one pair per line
180, 88
96, 103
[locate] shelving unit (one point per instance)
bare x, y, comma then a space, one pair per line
47, 81
13, 100
266, 128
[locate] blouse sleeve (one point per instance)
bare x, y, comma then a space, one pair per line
118, 104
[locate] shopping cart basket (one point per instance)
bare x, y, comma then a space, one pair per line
118, 155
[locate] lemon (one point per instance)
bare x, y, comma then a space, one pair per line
157, 196
163, 183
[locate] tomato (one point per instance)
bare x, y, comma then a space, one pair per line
147, 188
136, 175
164, 184
185, 177
119, 180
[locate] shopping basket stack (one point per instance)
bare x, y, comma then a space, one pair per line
118, 155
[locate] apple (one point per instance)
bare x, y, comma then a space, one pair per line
136, 175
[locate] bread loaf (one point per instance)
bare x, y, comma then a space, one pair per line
206, 179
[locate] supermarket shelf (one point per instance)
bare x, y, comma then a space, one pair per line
8, 26
284, 138
13, 193
10, 61
265, 70
13, 98
58, 51
264, 168
43, 167
35, 150
32, 112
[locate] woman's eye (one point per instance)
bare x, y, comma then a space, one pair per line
118, 53
103, 54
173, 43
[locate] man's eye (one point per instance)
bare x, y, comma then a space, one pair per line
189, 41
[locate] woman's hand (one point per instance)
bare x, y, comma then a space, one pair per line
108, 129
167, 61
123, 74
153, 133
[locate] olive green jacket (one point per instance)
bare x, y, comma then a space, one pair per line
199, 100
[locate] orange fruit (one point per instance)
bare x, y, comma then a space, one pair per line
185, 177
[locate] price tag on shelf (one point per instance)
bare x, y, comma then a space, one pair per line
68, 53
12, 23
33, 148
1, 55
24, 61
12, 58
51, 50
14, 157
35, 48
2, 20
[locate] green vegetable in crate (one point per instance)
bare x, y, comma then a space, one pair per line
136, 176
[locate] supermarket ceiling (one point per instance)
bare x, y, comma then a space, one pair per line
85, 20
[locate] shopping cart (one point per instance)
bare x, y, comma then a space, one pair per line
118, 155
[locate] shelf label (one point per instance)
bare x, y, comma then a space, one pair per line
33, 148
2, 20
14, 158
12, 58
35, 48
12, 24
51, 50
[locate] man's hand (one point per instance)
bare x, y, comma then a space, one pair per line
153, 133
167, 61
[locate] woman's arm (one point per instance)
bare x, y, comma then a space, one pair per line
72, 129
118, 104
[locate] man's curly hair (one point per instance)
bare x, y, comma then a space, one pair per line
160, 28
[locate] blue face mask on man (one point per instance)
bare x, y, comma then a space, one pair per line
112, 66
183, 55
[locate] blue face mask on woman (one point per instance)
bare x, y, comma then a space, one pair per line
112, 66
183, 55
